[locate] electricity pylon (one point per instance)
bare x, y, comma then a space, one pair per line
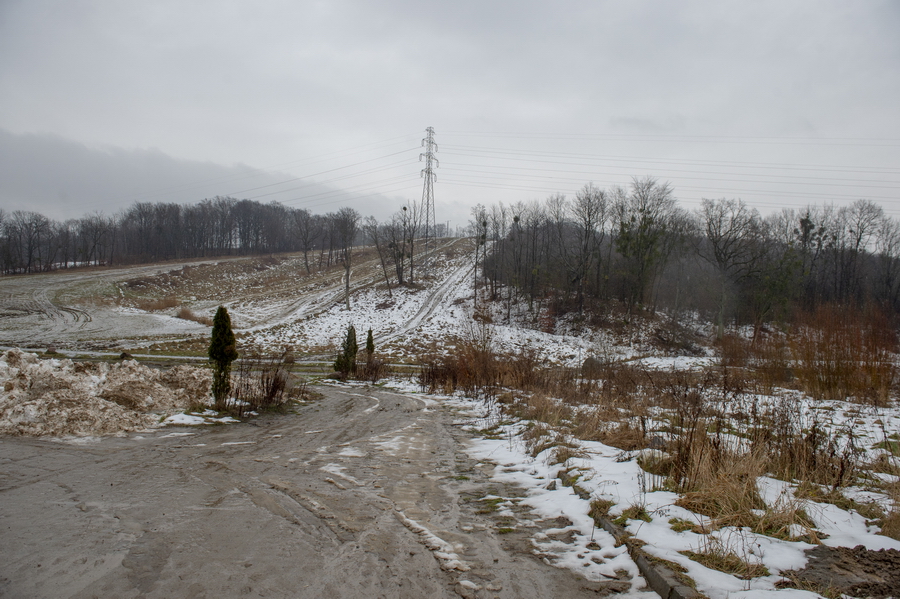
428, 189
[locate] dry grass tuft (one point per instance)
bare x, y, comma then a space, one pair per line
713, 554
542, 408
155, 305
600, 510
723, 487
633, 512
890, 525
785, 520
186, 313
565, 451
624, 436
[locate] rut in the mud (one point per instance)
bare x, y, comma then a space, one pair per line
361, 494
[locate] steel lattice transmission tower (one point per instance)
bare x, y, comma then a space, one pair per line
428, 189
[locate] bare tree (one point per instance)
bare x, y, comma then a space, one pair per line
887, 252
645, 218
733, 243
857, 227
31, 230
376, 235
346, 226
306, 232
590, 212
411, 220
479, 227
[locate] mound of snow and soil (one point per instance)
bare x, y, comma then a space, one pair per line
61, 397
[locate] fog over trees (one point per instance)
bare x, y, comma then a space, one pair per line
633, 246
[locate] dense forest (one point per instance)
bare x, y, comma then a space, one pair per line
632, 247
637, 249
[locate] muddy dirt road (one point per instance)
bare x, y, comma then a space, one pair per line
360, 494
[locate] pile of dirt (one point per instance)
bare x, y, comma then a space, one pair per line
857, 572
60, 397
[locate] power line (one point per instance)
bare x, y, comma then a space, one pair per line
523, 155
729, 139
258, 172
331, 170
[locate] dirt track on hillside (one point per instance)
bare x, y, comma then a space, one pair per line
87, 309
362, 493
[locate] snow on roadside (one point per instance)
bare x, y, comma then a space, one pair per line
609, 473
442, 550
60, 397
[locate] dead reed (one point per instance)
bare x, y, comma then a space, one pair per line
186, 313
717, 434
847, 354
155, 305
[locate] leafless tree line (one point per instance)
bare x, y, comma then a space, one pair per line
223, 226
637, 246
632, 244
150, 232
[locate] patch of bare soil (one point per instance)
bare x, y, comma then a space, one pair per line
857, 572
60, 397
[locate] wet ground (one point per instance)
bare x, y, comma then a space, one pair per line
857, 572
362, 493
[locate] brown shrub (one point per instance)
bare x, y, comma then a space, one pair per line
372, 370
153, 305
845, 354
624, 436
186, 313
263, 383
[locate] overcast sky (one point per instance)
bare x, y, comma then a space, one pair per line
324, 104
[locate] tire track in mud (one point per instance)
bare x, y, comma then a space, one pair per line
30, 316
358, 494
313, 304
437, 299
59, 313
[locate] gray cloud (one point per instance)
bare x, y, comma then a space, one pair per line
262, 84
65, 179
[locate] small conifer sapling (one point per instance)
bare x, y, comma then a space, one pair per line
346, 359
370, 348
222, 352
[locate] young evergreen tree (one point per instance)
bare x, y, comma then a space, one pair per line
346, 359
370, 348
222, 352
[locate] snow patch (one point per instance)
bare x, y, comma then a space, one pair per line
442, 550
